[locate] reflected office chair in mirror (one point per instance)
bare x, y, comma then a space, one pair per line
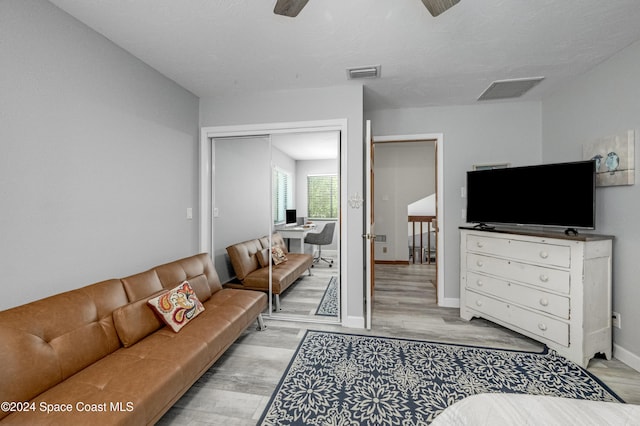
322, 238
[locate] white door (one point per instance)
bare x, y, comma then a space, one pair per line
369, 234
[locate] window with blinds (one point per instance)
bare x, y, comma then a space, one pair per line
282, 194
322, 196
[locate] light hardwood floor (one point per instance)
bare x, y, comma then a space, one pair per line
303, 297
237, 388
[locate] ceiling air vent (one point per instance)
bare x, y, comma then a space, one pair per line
363, 72
505, 89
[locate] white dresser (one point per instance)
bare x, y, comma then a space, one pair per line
551, 287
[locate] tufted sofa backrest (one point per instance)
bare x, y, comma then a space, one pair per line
44, 342
198, 270
244, 257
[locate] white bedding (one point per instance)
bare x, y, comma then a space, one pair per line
496, 409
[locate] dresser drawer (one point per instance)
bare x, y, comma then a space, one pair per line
542, 253
535, 323
552, 279
522, 295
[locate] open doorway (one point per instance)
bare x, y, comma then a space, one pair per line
405, 192
406, 213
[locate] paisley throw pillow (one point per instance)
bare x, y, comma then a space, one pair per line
177, 306
278, 255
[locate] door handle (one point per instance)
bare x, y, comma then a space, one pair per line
369, 236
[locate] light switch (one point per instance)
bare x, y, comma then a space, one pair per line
216, 212
189, 213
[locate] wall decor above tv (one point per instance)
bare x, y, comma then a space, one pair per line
556, 195
614, 157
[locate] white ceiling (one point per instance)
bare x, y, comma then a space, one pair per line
308, 145
222, 47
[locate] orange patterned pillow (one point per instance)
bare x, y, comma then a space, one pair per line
278, 255
177, 306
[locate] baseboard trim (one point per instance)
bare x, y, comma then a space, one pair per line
391, 262
353, 322
449, 302
629, 358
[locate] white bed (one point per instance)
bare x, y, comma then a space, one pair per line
496, 409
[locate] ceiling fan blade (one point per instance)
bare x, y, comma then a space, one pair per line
289, 8
436, 7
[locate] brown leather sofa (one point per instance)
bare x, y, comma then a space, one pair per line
250, 260
99, 355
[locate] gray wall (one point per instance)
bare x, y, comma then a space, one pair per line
344, 102
97, 157
600, 103
241, 195
474, 134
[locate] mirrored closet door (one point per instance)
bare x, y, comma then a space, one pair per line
241, 196
281, 188
306, 213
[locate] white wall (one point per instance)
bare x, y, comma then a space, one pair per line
474, 134
345, 102
97, 162
600, 103
404, 173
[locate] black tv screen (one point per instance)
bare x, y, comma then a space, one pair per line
290, 216
558, 195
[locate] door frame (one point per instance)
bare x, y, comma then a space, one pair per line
206, 173
369, 226
439, 141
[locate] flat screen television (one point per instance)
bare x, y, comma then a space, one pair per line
556, 195
291, 216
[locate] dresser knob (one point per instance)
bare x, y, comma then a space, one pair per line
544, 254
480, 283
542, 326
544, 302
479, 244
479, 263
544, 278
478, 302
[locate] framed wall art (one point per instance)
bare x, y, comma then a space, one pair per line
614, 157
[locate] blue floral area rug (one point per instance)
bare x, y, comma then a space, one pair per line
329, 304
345, 379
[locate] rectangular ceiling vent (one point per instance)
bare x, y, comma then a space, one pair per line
363, 72
506, 89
